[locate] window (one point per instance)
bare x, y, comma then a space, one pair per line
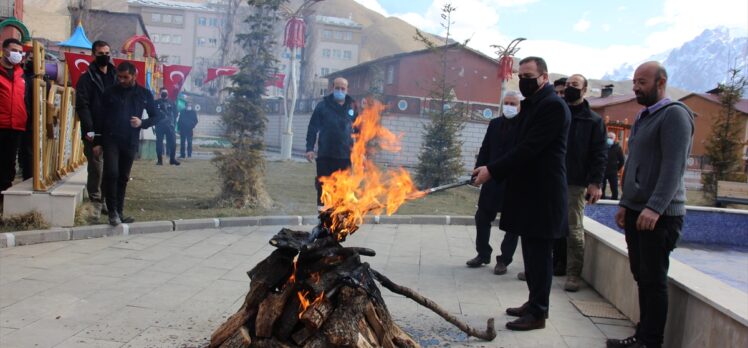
348, 36
202, 21
326, 52
338, 35
347, 55
155, 38
212, 42
324, 71
322, 92
213, 22
178, 19
165, 38
166, 18
390, 74
176, 39
336, 54
327, 34
201, 42
155, 17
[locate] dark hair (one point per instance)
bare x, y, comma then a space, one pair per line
560, 82
540, 62
11, 40
126, 67
99, 43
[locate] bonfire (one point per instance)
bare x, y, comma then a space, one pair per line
314, 292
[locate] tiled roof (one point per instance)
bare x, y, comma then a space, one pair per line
597, 102
741, 106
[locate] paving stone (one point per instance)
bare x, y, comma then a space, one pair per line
122, 325
41, 236
80, 342
167, 337
239, 221
195, 224
151, 227
44, 333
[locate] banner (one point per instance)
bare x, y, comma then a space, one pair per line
139, 69
213, 73
77, 65
174, 77
276, 81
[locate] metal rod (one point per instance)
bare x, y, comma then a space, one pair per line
449, 186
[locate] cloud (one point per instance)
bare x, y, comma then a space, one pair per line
606, 27
373, 5
582, 25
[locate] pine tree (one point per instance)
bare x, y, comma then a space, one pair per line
439, 161
724, 146
242, 168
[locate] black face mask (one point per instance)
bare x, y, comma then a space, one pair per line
572, 94
164, 95
102, 60
528, 86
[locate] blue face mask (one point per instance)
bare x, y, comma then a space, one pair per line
338, 95
610, 142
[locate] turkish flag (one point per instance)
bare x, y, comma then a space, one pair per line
174, 77
139, 68
276, 80
213, 73
77, 65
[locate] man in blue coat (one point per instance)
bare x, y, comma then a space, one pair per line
535, 196
332, 120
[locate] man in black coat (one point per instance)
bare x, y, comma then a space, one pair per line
120, 135
498, 140
616, 159
165, 129
535, 174
585, 163
88, 92
187, 122
332, 120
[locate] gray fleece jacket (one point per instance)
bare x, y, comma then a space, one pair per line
654, 170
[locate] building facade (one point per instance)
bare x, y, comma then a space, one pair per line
8, 9
707, 107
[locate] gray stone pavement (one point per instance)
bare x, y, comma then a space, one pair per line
172, 289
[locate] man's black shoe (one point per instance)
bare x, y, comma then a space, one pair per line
500, 267
525, 323
521, 310
159, 163
174, 163
629, 342
114, 220
477, 262
126, 219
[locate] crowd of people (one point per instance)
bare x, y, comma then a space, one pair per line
110, 106
545, 158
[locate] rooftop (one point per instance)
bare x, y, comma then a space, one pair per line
182, 5
343, 22
597, 102
741, 106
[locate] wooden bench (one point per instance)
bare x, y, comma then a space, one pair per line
730, 192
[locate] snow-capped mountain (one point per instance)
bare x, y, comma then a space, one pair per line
699, 64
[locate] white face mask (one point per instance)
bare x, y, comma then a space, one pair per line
510, 111
15, 57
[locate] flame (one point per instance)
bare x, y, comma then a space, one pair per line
292, 278
315, 277
305, 303
352, 193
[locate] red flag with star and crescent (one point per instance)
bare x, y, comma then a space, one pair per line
213, 73
174, 77
77, 65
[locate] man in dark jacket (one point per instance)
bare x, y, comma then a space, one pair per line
332, 120
88, 92
187, 122
535, 174
120, 135
615, 163
26, 149
586, 153
498, 140
12, 109
165, 129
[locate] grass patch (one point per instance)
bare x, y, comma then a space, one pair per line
23, 222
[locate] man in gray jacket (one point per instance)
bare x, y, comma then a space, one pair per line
653, 203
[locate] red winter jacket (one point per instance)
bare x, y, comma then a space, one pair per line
12, 105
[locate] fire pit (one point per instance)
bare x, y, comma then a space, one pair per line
314, 292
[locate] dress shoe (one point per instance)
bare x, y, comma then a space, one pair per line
500, 267
629, 342
521, 276
525, 323
572, 284
114, 219
518, 311
128, 220
477, 262
174, 163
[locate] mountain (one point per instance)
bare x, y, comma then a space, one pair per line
700, 64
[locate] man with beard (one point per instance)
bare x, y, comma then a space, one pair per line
497, 141
88, 92
652, 205
120, 128
585, 162
535, 173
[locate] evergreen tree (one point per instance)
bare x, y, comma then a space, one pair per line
439, 161
724, 146
242, 168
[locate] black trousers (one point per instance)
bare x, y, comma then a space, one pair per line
613, 180
536, 252
559, 254
185, 137
649, 258
171, 142
26, 153
325, 167
10, 140
483, 220
118, 158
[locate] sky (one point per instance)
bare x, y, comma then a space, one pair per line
589, 37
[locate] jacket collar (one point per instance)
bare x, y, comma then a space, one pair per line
581, 111
541, 94
331, 100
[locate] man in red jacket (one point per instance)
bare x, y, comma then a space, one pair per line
12, 109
